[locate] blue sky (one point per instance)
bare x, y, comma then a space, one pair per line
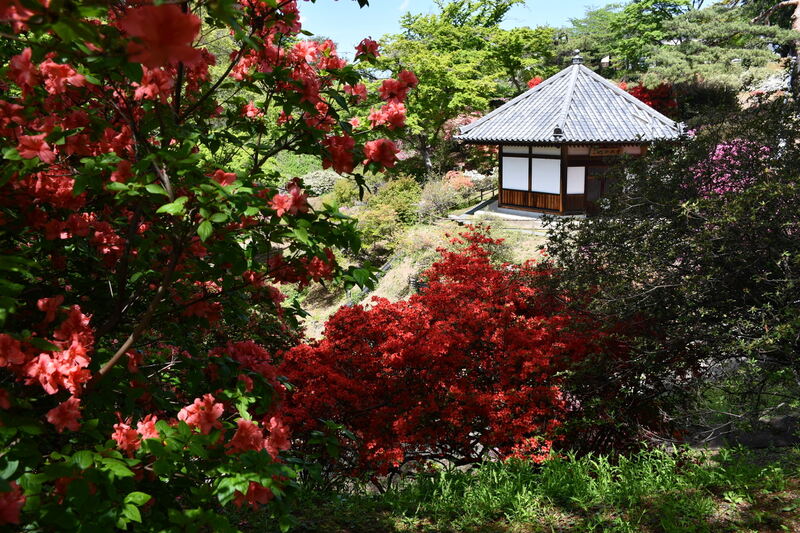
346, 24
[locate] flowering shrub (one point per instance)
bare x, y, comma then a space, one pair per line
139, 274
732, 167
468, 367
660, 98
483, 182
458, 181
698, 250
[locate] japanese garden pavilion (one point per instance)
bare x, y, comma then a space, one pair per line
558, 139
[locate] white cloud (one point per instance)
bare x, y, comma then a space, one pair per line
404, 5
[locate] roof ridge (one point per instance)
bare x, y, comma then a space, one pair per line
562, 115
505, 107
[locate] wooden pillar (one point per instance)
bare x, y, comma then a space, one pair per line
562, 196
500, 176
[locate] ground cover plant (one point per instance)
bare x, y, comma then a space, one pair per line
139, 302
649, 491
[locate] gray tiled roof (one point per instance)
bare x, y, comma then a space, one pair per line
586, 106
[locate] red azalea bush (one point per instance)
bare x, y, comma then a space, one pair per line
139, 269
661, 98
469, 367
533, 82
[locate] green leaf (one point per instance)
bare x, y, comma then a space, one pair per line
174, 208
155, 189
204, 230
11, 154
218, 218
301, 235
131, 512
42, 344
133, 71
9, 469
117, 186
361, 276
91, 11
84, 459
65, 31
137, 498
227, 487
116, 467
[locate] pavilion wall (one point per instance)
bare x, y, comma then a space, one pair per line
555, 178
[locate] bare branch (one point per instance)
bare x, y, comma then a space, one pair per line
765, 16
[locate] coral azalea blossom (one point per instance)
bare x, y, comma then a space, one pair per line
11, 502
162, 35
31, 146
381, 151
65, 415
248, 436
203, 414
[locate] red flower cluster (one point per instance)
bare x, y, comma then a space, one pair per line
257, 494
660, 98
65, 415
392, 114
161, 35
469, 364
340, 150
11, 503
294, 202
367, 49
249, 110
223, 178
533, 82
61, 369
381, 151
203, 414
359, 91
397, 90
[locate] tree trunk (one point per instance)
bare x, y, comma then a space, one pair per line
794, 73
794, 77
425, 153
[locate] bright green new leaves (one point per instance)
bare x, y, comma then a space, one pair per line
463, 60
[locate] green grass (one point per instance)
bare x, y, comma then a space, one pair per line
651, 491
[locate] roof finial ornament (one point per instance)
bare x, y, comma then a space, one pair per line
577, 59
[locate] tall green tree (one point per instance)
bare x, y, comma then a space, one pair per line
463, 60
717, 46
523, 53
639, 26
785, 14
593, 34
625, 32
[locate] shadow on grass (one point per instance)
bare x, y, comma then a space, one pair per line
651, 492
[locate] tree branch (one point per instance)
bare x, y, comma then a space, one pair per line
148, 315
768, 13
